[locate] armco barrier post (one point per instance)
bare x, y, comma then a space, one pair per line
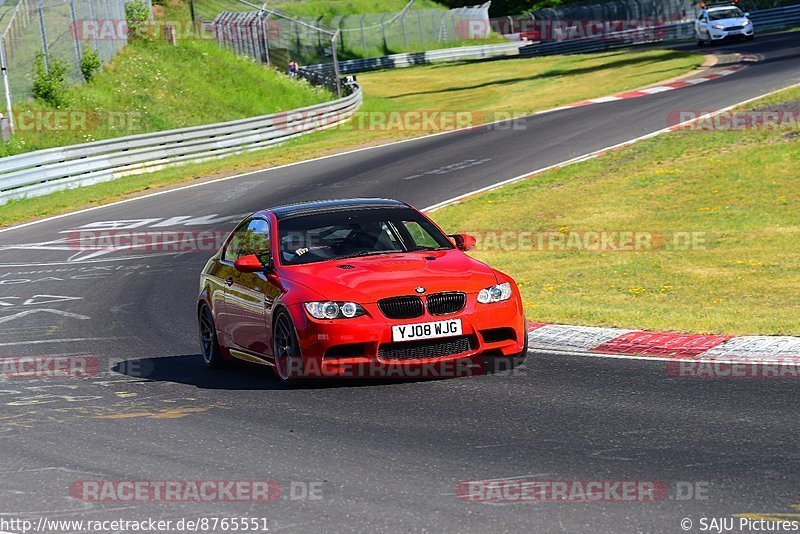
43, 32
193, 16
108, 17
383, 32
6, 88
363, 34
90, 4
263, 16
74, 32
336, 74
403, 29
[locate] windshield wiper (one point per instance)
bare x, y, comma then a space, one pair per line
370, 253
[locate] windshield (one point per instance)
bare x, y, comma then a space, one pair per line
353, 233
731, 13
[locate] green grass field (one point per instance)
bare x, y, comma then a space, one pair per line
556, 81
298, 8
152, 86
722, 209
335, 8
524, 86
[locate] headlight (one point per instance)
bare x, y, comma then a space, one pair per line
748, 22
334, 310
496, 293
718, 27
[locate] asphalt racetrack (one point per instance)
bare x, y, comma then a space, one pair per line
379, 455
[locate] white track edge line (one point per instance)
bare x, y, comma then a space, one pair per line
600, 152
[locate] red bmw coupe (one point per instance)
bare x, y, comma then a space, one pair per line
352, 288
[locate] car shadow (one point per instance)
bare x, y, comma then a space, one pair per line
189, 369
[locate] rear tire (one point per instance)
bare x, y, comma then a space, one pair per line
286, 349
209, 342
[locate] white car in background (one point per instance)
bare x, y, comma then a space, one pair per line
722, 21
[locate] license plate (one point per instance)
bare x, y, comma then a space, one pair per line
414, 332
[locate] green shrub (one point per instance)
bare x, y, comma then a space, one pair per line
137, 16
90, 63
50, 85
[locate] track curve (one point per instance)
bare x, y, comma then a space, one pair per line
389, 456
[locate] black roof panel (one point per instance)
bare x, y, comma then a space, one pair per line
321, 206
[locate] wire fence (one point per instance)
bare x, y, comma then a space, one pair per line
366, 35
662, 10
63, 31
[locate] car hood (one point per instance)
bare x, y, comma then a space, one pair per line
735, 21
371, 278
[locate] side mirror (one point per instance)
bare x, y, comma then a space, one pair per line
249, 264
464, 242
747, 15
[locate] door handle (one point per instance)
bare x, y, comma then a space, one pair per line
229, 281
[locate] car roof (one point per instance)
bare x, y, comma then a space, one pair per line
326, 206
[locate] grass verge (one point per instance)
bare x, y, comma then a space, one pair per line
335, 8
721, 209
415, 33
512, 86
152, 86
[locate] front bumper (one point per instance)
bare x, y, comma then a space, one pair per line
363, 346
719, 35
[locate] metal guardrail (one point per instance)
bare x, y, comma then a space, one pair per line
682, 31
45, 171
777, 18
410, 59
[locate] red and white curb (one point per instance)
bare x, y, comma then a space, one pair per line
744, 59
618, 342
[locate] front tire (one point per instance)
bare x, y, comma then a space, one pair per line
519, 359
209, 342
494, 364
286, 349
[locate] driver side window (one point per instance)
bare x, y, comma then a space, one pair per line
249, 238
